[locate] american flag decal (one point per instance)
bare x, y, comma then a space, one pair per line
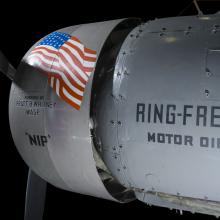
67, 63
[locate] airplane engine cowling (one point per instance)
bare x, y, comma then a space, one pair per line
148, 124
55, 139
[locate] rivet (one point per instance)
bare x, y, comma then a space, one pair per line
214, 31
207, 92
112, 122
187, 32
161, 34
124, 167
164, 29
126, 73
120, 96
208, 73
112, 95
120, 146
118, 170
119, 122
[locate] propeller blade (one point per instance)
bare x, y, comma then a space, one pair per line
35, 197
6, 68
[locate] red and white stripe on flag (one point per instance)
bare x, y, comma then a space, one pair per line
68, 68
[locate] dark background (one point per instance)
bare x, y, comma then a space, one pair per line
22, 24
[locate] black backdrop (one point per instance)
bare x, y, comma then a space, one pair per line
21, 25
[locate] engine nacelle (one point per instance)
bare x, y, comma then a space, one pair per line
53, 138
148, 124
